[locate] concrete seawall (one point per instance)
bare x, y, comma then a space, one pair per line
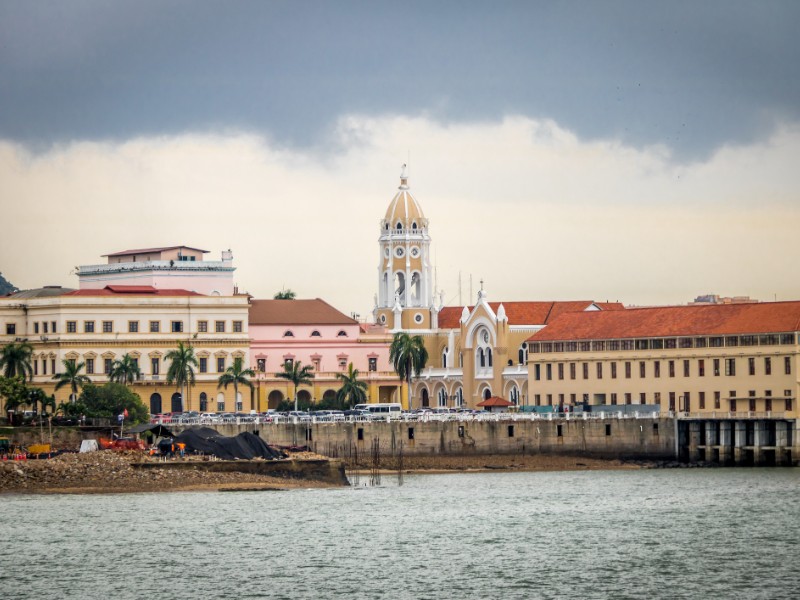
609, 438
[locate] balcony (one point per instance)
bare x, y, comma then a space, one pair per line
156, 265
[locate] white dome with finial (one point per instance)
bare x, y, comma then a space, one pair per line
404, 208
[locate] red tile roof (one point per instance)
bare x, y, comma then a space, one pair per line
525, 313
136, 290
668, 321
148, 250
296, 312
495, 401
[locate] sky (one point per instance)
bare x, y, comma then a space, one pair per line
636, 151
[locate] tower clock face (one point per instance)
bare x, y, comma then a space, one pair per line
414, 252
399, 252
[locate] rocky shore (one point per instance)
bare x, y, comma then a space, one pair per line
113, 472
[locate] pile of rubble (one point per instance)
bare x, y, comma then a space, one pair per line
112, 471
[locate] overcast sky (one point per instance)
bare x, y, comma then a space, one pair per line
636, 151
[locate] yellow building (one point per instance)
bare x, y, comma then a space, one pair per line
710, 361
98, 326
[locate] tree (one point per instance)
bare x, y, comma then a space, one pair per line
285, 295
408, 355
237, 376
72, 377
353, 390
109, 400
125, 370
292, 371
15, 359
181, 371
15, 392
36, 397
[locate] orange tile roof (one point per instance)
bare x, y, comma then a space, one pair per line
495, 401
136, 290
296, 312
669, 321
525, 313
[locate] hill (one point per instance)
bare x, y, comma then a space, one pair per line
5, 286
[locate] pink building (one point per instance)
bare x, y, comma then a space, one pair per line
315, 333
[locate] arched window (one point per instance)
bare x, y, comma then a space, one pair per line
523, 353
488, 357
220, 402
461, 360
459, 397
203, 402
444, 358
399, 225
288, 333
155, 404
442, 397
342, 333
316, 333
425, 399
414, 225
481, 357
487, 393
514, 396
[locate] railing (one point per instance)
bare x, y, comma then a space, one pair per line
741, 414
405, 418
183, 265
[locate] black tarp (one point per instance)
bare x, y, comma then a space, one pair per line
246, 445
158, 430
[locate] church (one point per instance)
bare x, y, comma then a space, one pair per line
475, 352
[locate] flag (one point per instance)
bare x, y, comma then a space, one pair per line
125, 413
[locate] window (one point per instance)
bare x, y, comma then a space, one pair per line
154, 363
768, 401
11, 329
561, 370
599, 370
176, 326
44, 327
220, 364
614, 399
133, 326
537, 372
36, 327
586, 370
767, 365
107, 365
751, 366
72, 326
572, 370
628, 398
155, 326
537, 399
788, 405
219, 326
657, 398
672, 401
613, 370
702, 400
35, 366
316, 333
641, 369
288, 333
549, 370
343, 333
53, 326
671, 366
608, 429
730, 367
716, 367
787, 365
373, 364
202, 326
657, 368
717, 398
752, 401
686, 368
261, 365
237, 327
53, 366
701, 368
642, 398
88, 326
203, 364
108, 326
90, 366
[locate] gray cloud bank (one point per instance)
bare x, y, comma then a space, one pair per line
689, 76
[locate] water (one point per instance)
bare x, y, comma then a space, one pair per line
699, 533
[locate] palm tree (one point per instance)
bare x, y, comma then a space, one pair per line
408, 355
353, 390
15, 359
285, 295
292, 371
237, 376
125, 370
49, 401
72, 377
180, 370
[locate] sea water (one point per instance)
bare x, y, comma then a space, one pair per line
683, 533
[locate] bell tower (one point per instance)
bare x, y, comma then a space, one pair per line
405, 298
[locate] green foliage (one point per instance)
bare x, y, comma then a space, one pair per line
285, 295
181, 368
108, 401
297, 374
15, 360
72, 377
353, 390
6, 287
125, 370
408, 355
14, 392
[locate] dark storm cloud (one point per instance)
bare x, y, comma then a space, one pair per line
686, 74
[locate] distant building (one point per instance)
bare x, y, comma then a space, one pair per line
711, 359
715, 299
171, 267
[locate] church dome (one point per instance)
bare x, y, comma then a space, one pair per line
404, 208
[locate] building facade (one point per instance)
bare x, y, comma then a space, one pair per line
713, 360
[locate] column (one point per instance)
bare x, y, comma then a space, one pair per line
725, 442
694, 440
739, 440
782, 451
759, 441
